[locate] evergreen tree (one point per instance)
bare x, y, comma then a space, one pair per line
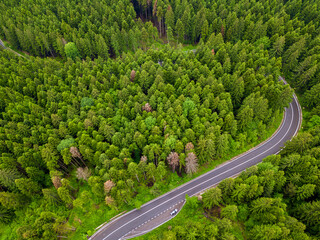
180, 31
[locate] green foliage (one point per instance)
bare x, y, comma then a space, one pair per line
71, 50
212, 197
314, 121
12, 200
264, 41
150, 122
87, 102
97, 187
192, 204
51, 196
6, 215
137, 204
170, 142
8, 177
266, 232
113, 132
289, 211
27, 186
65, 143
230, 211
65, 196
188, 106
309, 213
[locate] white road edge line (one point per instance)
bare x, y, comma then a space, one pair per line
208, 179
300, 113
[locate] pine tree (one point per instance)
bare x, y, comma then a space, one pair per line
204, 30
133, 170
8, 177
222, 145
12, 200
27, 187
161, 170
51, 196
65, 196
180, 31
212, 197
169, 34
169, 19
6, 215
230, 211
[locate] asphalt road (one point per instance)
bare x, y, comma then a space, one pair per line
126, 223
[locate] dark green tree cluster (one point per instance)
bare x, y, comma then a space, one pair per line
96, 28
101, 28
287, 29
277, 199
192, 20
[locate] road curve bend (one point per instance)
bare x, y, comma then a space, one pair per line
121, 226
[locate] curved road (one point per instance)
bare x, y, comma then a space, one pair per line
126, 223
2, 44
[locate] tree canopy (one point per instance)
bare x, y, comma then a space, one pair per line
112, 106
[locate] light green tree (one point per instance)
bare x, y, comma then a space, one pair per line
71, 50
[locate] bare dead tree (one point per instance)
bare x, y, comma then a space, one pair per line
191, 163
189, 146
154, 11
164, 127
76, 154
110, 202
56, 180
108, 185
83, 173
147, 107
144, 159
132, 75
173, 160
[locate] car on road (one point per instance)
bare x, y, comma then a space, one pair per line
174, 212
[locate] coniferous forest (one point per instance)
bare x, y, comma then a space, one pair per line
105, 105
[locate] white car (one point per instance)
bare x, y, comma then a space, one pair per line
174, 212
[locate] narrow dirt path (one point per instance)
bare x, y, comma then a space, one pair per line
7, 48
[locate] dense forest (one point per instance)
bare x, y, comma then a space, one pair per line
109, 106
